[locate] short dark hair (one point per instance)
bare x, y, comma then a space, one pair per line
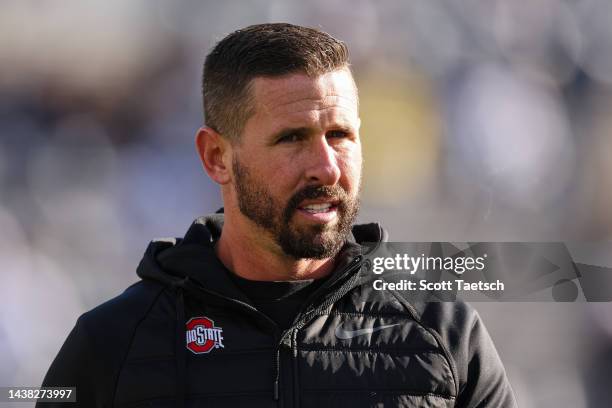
263, 50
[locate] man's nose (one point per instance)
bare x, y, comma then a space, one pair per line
323, 167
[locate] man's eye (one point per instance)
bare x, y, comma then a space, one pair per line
338, 134
292, 137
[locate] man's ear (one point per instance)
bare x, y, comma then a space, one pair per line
215, 154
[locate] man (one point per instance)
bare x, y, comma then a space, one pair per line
267, 304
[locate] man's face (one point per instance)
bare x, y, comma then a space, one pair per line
297, 167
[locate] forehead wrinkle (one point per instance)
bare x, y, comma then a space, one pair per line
322, 100
329, 115
306, 105
267, 96
318, 119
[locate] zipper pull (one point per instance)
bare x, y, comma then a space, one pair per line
276, 390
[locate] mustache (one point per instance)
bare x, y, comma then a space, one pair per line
335, 193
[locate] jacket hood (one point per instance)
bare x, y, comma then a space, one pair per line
171, 260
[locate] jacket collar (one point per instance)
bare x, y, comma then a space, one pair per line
171, 261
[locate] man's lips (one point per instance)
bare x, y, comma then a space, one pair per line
319, 205
320, 216
319, 210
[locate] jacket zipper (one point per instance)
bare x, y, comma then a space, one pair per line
343, 290
296, 382
277, 373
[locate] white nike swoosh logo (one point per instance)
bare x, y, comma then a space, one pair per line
349, 334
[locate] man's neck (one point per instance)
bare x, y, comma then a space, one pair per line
251, 256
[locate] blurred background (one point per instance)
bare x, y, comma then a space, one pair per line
482, 120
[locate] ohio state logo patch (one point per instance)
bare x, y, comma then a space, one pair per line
202, 335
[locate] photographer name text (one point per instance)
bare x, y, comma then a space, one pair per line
413, 264
458, 285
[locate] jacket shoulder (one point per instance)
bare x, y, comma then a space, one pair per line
95, 350
480, 375
123, 311
111, 327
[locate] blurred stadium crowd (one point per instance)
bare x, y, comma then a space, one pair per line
481, 120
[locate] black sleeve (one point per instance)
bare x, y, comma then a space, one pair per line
74, 366
480, 377
483, 380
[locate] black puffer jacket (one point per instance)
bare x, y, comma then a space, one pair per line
186, 336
